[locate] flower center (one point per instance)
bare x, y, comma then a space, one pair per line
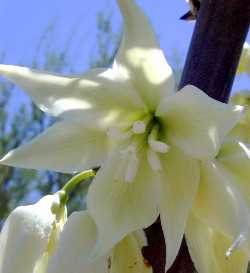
155, 146
143, 134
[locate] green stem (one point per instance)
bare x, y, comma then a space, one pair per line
76, 180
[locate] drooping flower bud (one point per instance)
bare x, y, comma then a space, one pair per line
26, 235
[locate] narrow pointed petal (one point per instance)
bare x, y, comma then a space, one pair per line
119, 207
141, 57
207, 248
235, 158
127, 257
219, 203
196, 123
75, 245
179, 184
99, 95
25, 236
64, 147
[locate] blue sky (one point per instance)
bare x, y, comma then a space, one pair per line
23, 22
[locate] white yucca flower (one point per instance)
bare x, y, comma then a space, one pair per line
207, 247
76, 243
148, 139
26, 235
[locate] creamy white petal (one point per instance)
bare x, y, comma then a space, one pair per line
207, 248
219, 203
41, 264
196, 123
235, 158
127, 257
99, 96
64, 147
141, 58
119, 207
75, 245
25, 236
179, 184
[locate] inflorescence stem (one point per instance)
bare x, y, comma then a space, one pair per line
212, 60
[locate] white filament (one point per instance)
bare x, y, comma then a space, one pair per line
155, 144
132, 168
153, 160
131, 162
158, 146
139, 127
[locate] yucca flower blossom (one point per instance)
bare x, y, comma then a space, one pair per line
128, 119
76, 243
242, 129
222, 201
28, 235
207, 247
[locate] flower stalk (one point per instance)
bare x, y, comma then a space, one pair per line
75, 181
215, 49
211, 64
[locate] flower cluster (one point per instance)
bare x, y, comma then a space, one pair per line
160, 152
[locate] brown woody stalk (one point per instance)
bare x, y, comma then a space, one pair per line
211, 64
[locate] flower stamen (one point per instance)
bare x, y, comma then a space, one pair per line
132, 162
158, 146
155, 144
154, 160
139, 127
132, 168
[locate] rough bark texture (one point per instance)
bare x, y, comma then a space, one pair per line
211, 64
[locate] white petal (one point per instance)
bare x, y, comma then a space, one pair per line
219, 203
235, 158
141, 56
179, 183
127, 257
25, 236
241, 130
100, 95
75, 245
41, 264
196, 123
208, 247
64, 147
119, 208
